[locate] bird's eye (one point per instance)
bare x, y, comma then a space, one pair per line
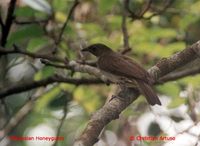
94, 50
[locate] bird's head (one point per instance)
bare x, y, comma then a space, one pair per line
97, 49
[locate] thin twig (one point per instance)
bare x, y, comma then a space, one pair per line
146, 8
134, 16
30, 22
1, 23
48, 63
166, 6
17, 50
76, 2
62, 121
125, 32
18, 88
6, 108
180, 74
126, 2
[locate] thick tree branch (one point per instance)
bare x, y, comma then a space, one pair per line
112, 109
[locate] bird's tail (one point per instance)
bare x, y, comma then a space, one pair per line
148, 92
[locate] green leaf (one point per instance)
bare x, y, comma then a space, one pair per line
60, 101
36, 43
87, 97
24, 12
187, 20
44, 73
177, 101
170, 89
93, 29
162, 32
24, 33
194, 80
61, 4
171, 48
46, 98
106, 5
114, 21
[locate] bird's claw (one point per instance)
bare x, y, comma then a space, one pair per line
116, 96
107, 82
112, 97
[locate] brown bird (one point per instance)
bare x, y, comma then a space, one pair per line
124, 71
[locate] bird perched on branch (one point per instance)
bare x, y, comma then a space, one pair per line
124, 71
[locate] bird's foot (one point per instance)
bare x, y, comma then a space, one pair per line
107, 82
116, 96
121, 82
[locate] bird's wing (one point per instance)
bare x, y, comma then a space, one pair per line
122, 66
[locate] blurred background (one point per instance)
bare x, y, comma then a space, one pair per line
62, 109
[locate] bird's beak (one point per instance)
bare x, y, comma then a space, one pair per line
85, 50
